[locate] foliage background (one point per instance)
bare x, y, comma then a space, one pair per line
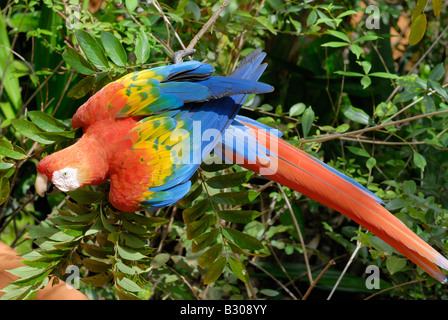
361, 99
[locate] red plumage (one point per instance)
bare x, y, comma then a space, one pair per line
299, 171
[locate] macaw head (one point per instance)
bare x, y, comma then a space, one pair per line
50, 174
70, 169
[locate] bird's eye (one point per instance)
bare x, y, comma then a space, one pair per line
65, 174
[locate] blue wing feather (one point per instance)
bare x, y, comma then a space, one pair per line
207, 117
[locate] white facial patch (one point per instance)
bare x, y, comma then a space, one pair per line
66, 179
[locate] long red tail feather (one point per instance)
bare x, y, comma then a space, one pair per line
300, 171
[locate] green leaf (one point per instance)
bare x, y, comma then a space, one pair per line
417, 214
18, 292
339, 35
129, 270
29, 275
46, 122
437, 73
132, 241
197, 228
134, 227
191, 196
131, 5
349, 73
239, 216
81, 218
6, 166
297, 109
242, 240
215, 270
128, 285
214, 164
98, 280
335, 44
149, 222
77, 209
347, 13
437, 88
437, 7
371, 162
395, 264
418, 9
95, 265
359, 151
229, 180
312, 18
193, 213
142, 47
193, 8
266, 23
365, 81
366, 66
11, 153
419, 161
160, 260
297, 25
95, 251
182, 4
114, 48
78, 62
343, 128
204, 240
206, 259
383, 75
4, 190
418, 29
41, 231
82, 88
10, 82
58, 136
85, 196
369, 37
356, 50
269, 292
429, 105
356, 115
129, 254
307, 121
239, 269
234, 198
92, 49
409, 186
29, 130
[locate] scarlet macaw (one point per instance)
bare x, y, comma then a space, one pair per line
127, 139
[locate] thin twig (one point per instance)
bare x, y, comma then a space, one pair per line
377, 127
352, 257
63, 93
273, 278
167, 21
419, 61
394, 287
40, 87
299, 232
313, 285
259, 190
167, 229
413, 103
284, 270
207, 25
8, 59
384, 142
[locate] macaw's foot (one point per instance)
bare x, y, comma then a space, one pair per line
178, 56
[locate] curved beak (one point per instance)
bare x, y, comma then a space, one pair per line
42, 184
